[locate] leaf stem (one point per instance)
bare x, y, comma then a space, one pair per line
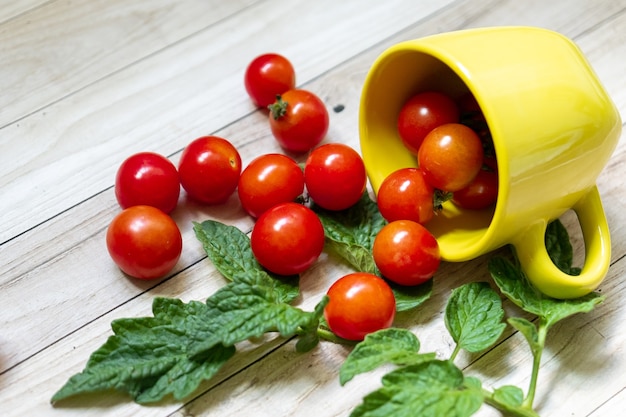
455, 352
537, 351
332, 337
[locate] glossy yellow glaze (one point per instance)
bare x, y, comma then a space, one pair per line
554, 128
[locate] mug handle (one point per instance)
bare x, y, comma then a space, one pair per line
547, 277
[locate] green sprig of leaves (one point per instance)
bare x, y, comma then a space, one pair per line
514, 284
184, 344
147, 357
422, 384
474, 318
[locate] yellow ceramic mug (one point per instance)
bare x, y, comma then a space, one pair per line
553, 125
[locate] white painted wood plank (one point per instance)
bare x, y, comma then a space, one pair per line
11, 9
63, 46
615, 406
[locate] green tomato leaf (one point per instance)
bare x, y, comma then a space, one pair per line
509, 396
274, 288
559, 247
395, 346
147, 357
474, 316
509, 399
227, 247
358, 257
434, 388
513, 283
472, 382
350, 233
245, 309
409, 297
528, 330
184, 344
229, 250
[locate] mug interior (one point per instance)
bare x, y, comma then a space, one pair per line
395, 77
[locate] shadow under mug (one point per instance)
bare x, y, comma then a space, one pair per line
554, 128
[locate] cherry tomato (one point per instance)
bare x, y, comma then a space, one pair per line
147, 178
144, 242
267, 76
406, 253
209, 169
450, 156
287, 238
481, 193
298, 120
339, 165
360, 303
422, 113
405, 195
269, 180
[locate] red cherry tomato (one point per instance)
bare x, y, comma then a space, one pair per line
144, 242
298, 120
147, 178
405, 195
406, 253
209, 169
450, 156
267, 76
422, 113
360, 303
481, 193
269, 180
287, 239
335, 176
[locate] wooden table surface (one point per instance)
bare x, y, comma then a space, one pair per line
84, 84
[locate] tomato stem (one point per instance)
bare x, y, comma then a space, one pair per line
440, 197
278, 108
537, 351
455, 352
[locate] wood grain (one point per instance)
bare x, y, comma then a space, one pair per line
84, 84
